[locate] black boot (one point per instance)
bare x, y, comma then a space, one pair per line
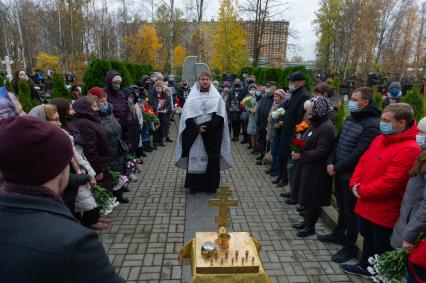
119, 196
146, 147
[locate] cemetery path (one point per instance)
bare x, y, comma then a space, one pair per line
147, 234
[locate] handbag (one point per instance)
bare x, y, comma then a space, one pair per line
122, 146
417, 258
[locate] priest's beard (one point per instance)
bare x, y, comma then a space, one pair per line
204, 89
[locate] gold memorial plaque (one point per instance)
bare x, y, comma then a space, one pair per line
223, 264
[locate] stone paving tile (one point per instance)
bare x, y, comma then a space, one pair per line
146, 234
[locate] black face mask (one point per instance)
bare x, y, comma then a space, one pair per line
184, 85
147, 85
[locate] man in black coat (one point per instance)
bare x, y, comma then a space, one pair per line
263, 110
40, 240
293, 116
355, 137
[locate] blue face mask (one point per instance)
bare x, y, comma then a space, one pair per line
158, 89
258, 94
353, 106
394, 92
386, 128
130, 101
103, 107
420, 139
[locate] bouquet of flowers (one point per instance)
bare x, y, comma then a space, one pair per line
302, 127
151, 117
296, 145
105, 200
388, 267
277, 113
133, 164
248, 102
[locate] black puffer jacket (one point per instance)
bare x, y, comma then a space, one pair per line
355, 137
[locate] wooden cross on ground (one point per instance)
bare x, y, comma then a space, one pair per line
223, 203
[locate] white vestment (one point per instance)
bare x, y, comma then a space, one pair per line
201, 106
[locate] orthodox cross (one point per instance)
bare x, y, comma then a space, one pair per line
223, 203
8, 63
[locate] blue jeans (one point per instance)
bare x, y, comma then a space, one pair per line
275, 152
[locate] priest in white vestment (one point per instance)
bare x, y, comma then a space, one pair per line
203, 146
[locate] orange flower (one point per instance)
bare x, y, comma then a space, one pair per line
302, 127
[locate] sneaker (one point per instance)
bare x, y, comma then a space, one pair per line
344, 255
331, 239
355, 269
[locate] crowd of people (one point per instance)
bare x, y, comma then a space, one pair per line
375, 162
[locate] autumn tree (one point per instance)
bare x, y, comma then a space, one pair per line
229, 41
45, 62
144, 46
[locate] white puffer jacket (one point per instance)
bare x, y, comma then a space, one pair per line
84, 200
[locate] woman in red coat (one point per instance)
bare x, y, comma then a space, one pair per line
380, 179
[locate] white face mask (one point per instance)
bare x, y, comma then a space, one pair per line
291, 87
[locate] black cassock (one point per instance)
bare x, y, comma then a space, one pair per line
212, 139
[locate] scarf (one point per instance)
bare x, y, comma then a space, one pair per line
31, 190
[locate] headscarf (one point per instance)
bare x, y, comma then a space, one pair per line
320, 107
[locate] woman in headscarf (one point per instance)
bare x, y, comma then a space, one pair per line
318, 141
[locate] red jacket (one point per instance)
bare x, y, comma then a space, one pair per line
383, 174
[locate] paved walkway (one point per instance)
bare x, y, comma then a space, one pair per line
146, 234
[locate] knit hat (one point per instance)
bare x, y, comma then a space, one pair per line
394, 85
97, 91
32, 151
253, 85
422, 125
116, 78
280, 93
320, 107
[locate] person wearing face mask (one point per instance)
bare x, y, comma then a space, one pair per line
394, 94
262, 112
327, 91
356, 135
251, 125
118, 101
293, 116
412, 215
182, 92
234, 113
380, 179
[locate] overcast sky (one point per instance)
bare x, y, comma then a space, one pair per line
299, 13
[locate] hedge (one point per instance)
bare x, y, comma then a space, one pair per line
278, 75
98, 68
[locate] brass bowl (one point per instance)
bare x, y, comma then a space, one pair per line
208, 249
